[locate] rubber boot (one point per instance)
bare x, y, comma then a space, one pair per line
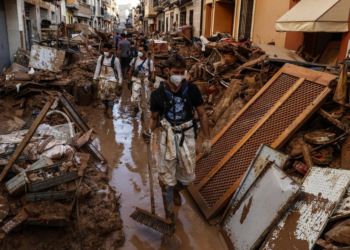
176, 193
167, 194
177, 196
136, 110
110, 112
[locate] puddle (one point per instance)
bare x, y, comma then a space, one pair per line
121, 143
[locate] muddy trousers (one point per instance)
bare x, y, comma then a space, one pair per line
167, 194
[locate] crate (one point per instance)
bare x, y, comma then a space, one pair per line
55, 195
63, 177
17, 183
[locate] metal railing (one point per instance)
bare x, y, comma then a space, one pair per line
93, 10
106, 16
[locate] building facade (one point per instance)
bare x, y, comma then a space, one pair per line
256, 20
176, 13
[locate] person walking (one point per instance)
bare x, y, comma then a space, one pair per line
138, 64
117, 37
123, 48
172, 110
108, 78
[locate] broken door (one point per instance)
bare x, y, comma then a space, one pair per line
271, 117
257, 212
303, 223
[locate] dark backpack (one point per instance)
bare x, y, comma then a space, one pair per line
133, 52
112, 64
170, 104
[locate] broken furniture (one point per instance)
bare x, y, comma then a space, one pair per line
271, 117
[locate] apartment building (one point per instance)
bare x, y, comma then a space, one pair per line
175, 13
20, 24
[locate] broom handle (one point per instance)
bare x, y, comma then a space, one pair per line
149, 154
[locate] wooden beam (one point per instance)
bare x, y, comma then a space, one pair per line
28, 136
336, 122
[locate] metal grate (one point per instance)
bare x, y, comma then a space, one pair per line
267, 133
243, 124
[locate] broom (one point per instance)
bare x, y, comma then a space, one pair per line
140, 215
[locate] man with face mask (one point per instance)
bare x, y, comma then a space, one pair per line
138, 64
108, 73
172, 107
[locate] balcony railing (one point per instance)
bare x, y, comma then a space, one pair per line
165, 3
157, 7
106, 16
93, 10
107, 1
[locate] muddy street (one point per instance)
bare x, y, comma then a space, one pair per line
121, 143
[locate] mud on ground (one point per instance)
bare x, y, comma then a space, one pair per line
100, 220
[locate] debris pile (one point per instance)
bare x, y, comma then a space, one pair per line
50, 167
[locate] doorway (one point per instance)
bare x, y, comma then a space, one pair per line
4, 43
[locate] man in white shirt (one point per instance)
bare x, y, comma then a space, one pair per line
138, 64
108, 73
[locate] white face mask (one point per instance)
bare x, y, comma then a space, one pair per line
106, 54
176, 79
140, 54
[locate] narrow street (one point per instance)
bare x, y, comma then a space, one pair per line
121, 143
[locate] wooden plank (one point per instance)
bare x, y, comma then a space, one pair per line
27, 138
310, 75
250, 133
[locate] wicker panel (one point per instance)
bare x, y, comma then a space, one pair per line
268, 133
243, 124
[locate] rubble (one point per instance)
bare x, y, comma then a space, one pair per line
253, 94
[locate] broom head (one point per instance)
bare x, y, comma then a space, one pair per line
153, 221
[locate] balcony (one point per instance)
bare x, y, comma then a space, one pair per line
93, 10
107, 2
84, 11
72, 4
157, 7
106, 17
166, 3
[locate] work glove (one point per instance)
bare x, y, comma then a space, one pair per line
206, 147
94, 81
146, 135
120, 85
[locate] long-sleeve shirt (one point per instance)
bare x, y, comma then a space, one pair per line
107, 71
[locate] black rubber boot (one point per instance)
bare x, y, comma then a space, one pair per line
167, 194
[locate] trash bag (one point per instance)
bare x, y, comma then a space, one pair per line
340, 233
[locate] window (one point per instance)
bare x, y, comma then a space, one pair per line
167, 24
182, 18
245, 22
191, 17
71, 19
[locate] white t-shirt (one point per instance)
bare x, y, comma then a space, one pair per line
144, 67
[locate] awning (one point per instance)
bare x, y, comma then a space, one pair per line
316, 16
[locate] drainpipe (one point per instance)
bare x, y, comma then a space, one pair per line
200, 27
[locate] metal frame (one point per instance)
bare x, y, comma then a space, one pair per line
303, 74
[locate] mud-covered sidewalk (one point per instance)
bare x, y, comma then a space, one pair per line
121, 143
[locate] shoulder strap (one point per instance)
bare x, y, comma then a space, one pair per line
134, 63
103, 57
149, 66
112, 65
185, 96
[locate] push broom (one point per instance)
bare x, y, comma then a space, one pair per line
143, 216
